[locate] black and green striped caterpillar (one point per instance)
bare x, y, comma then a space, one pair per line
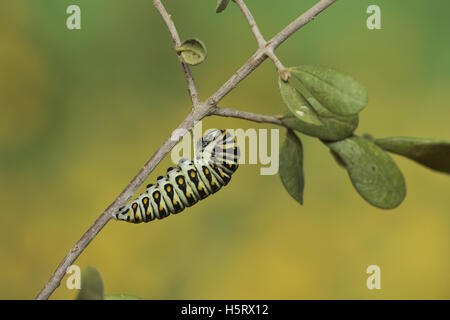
189, 182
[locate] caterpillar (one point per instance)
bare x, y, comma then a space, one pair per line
188, 182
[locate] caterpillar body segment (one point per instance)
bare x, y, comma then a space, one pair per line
188, 182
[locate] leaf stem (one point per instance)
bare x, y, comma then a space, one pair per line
284, 73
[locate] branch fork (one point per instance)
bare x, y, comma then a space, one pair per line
198, 112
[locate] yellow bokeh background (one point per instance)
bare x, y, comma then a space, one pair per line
81, 111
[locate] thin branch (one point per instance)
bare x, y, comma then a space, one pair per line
305, 18
177, 42
251, 21
233, 113
259, 56
284, 73
199, 111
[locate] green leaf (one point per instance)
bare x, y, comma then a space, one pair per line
291, 166
333, 128
337, 92
193, 51
91, 285
121, 296
433, 153
310, 118
372, 171
338, 159
221, 5
316, 105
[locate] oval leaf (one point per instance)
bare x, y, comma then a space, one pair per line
372, 171
432, 153
193, 51
221, 5
291, 166
121, 296
339, 93
91, 285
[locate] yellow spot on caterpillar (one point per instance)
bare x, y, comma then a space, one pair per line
145, 200
213, 183
175, 202
136, 216
199, 188
212, 165
188, 194
147, 213
134, 205
222, 175
161, 208
156, 195
180, 181
169, 188
193, 174
230, 165
206, 171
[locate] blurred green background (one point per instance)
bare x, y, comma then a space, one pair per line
81, 111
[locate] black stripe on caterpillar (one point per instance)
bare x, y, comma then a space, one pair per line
189, 182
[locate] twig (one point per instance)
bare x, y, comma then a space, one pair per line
177, 42
259, 56
284, 73
233, 113
251, 21
305, 18
197, 113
